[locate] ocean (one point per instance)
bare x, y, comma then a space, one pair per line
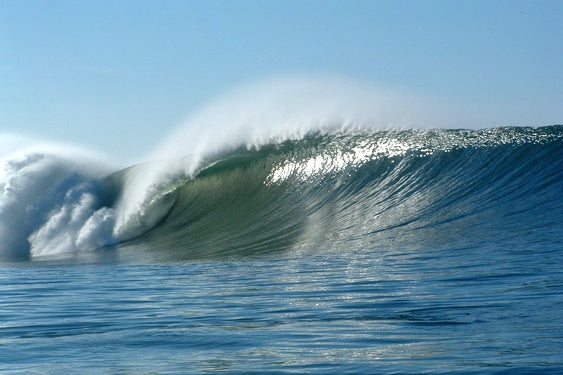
334, 251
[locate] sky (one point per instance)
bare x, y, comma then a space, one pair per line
117, 76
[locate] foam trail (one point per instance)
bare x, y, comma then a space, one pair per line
281, 109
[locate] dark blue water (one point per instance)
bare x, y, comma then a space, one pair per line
299, 258
465, 309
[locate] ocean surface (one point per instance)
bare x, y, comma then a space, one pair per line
339, 251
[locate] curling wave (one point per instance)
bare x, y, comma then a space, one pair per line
337, 190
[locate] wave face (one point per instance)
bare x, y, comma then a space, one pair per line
335, 191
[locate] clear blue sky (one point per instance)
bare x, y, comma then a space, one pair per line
116, 75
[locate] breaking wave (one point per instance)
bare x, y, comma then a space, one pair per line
339, 187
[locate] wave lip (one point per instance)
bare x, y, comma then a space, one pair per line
269, 112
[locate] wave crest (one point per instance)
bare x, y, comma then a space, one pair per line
343, 187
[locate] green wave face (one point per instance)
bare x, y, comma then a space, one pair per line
355, 190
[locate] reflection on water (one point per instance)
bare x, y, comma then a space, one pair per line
382, 310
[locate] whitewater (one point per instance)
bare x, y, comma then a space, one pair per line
291, 226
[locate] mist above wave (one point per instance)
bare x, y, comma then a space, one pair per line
285, 108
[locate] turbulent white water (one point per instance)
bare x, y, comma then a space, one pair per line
48, 200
